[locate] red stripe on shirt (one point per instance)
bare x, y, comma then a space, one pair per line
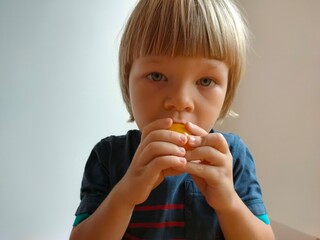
128, 236
160, 207
156, 225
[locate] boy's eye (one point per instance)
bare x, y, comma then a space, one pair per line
205, 82
156, 77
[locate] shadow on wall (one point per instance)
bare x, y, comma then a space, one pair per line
283, 232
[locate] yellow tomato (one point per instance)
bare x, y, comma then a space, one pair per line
180, 128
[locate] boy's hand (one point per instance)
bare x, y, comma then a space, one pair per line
160, 153
210, 164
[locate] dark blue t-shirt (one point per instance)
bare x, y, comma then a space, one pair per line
176, 209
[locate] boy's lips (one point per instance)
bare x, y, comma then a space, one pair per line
179, 121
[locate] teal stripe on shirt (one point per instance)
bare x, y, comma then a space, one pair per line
80, 218
264, 218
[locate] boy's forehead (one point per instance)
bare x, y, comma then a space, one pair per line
159, 59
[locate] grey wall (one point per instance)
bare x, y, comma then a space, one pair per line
59, 95
278, 103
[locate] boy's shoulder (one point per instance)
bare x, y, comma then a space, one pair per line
114, 153
237, 146
112, 140
231, 138
118, 146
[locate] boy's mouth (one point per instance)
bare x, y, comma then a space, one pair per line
179, 121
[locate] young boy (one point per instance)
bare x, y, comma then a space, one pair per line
180, 62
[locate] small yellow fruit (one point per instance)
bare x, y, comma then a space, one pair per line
180, 128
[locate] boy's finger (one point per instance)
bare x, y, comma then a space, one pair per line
159, 124
195, 130
215, 140
210, 173
207, 155
155, 150
162, 163
163, 137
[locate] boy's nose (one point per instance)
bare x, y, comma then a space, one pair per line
179, 99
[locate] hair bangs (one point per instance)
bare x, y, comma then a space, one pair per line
182, 28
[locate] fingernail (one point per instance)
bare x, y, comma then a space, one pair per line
183, 139
182, 160
192, 140
181, 149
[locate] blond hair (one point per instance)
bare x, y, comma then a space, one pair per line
193, 28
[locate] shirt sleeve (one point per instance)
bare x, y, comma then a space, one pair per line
245, 179
95, 183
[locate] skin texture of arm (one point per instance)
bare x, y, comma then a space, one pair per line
239, 223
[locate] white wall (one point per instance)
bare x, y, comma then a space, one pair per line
279, 109
59, 95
